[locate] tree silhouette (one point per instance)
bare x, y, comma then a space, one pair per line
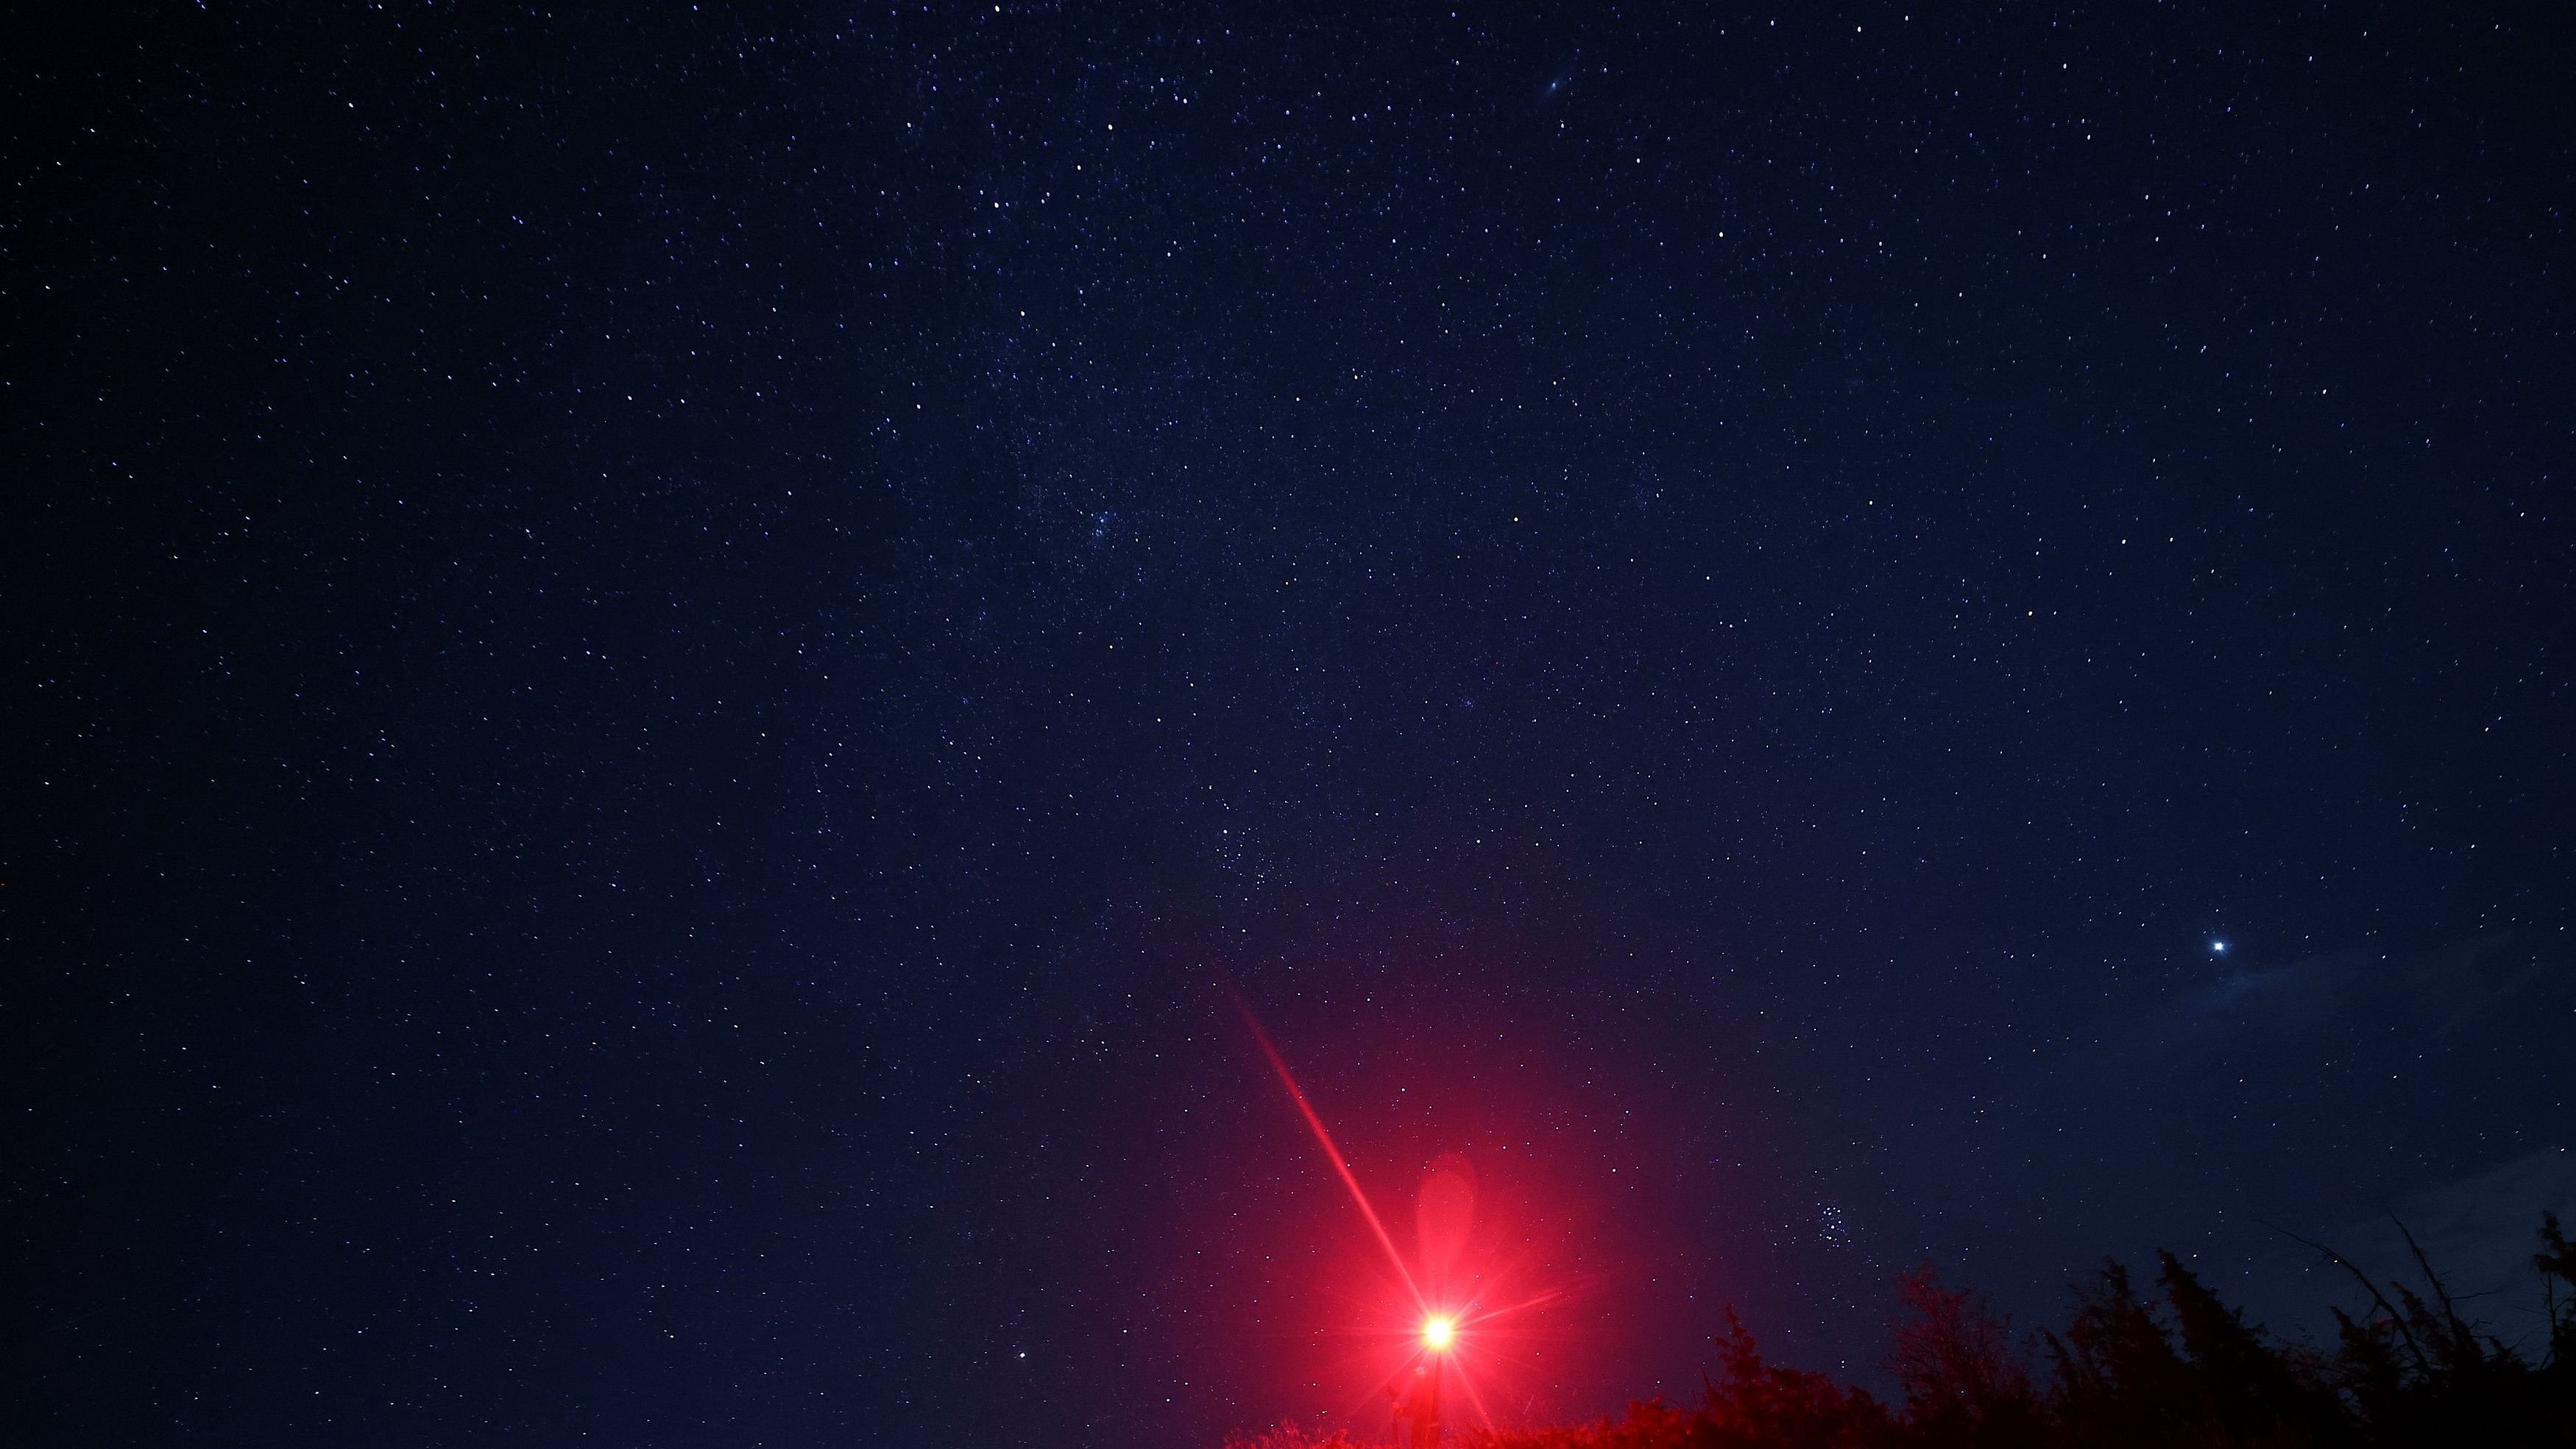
1965, 1384
2181, 1371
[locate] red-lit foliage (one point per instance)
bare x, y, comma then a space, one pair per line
1965, 1383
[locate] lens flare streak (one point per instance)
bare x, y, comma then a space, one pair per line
1297, 1094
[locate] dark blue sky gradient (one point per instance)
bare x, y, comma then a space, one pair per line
663, 661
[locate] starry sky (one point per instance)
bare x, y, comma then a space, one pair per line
670, 666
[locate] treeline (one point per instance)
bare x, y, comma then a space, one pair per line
2134, 1370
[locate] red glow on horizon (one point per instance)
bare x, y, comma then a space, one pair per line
1446, 1326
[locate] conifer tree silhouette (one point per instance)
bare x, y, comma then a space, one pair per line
2185, 1371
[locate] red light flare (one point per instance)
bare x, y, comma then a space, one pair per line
1437, 1336
1298, 1095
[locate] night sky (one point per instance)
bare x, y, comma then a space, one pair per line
667, 671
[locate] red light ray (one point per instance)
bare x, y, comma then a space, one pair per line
1298, 1095
1471, 1313
1476, 1401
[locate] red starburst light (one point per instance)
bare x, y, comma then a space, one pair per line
1432, 1337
